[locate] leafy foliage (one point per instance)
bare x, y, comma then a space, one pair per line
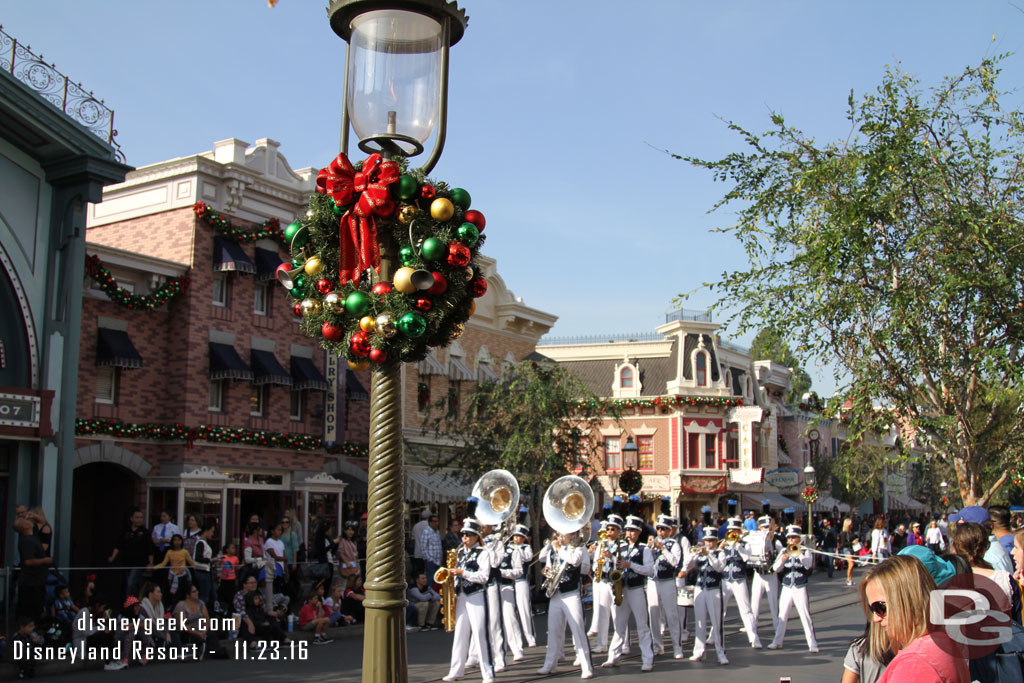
898, 255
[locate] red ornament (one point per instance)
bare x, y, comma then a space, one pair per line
359, 344
378, 355
324, 286
382, 288
427, 192
458, 255
478, 287
283, 268
476, 218
423, 304
440, 284
297, 308
332, 332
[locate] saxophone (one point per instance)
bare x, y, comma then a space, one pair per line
602, 536
616, 574
445, 577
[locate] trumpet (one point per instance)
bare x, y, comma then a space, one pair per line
794, 548
732, 536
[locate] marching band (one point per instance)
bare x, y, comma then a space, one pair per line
653, 582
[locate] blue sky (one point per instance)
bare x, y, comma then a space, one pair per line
557, 112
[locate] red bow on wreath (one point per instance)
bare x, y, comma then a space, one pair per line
358, 247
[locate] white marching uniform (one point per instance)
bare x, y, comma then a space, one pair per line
494, 630
471, 614
511, 570
765, 582
793, 572
707, 601
566, 608
634, 601
603, 592
661, 594
523, 602
684, 548
734, 574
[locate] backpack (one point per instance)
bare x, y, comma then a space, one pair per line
1003, 665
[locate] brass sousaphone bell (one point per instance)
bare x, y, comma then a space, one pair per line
498, 494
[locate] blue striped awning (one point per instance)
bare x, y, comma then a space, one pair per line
114, 348
225, 363
228, 255
266, 369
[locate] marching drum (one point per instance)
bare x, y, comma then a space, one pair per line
684, 596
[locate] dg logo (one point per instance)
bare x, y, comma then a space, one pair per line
968, 616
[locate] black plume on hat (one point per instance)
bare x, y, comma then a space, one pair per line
523, 512
606, 510
471, 504
618, 506
732, 507
634, 504
766, 507
666, 506
707, 514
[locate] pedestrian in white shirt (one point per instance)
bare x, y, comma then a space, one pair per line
164, 532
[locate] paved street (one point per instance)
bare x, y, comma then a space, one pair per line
837, 618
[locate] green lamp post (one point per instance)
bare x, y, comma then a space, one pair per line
395, 99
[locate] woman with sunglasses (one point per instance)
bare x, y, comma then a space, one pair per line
895, 596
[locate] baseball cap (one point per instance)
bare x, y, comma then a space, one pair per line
973, 513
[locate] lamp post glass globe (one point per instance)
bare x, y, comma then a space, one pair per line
809, 476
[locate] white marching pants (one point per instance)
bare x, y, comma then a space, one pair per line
738, 590
707, 611
511, 621
494, 626
682, 609
663, 592
567, 609
765, 584
471, 630
603, 604
634, 602
525, 608
795, 596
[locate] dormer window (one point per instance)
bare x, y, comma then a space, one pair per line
626, 378
702, 369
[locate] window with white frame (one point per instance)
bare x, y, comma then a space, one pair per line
626, 378
258, 400
220, 289
701, 361
216, 395
261, 298
296, 405
106, 385
612, 453
645, 452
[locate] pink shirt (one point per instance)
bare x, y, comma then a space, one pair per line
925, 662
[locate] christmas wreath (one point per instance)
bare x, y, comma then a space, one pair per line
335, 250
809, 494
631, 482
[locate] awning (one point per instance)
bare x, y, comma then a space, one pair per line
353, 475
900, 501
266, 264
267, 370
827, 503
484, 373
228, 255
306, 376
434, 487
354, 389
430, 366
356, 489
458, 371
115, 349
752, 501
784, 458
225, 363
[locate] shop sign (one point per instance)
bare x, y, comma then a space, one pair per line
19, 411
782, 478
703, 486
895, 483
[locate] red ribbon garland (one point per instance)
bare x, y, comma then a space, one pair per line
358, 247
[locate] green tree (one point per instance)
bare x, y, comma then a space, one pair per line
897, 255
537, 421
769, 345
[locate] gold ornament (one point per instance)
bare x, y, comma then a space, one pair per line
403, 280
313, 266
335, 303
309, 307
407, 213
457, 331
469, 274
472, 308
385, 325
366, 323
361, 365
441, 209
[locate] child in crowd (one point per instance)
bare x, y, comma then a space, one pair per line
313, 617
178, 560
228, 573
127, 636
27, 635
62, 612
333, 605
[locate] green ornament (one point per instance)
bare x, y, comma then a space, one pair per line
297, 292
461, 198
406, 188
298, 262
300, 238
357, 304
338, 210
468, 234
433, 249
290, 231
407, 256
299, 281
412, 325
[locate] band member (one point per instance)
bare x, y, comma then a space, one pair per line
707, 597
520, 539
661, 587
566, 606
684, 548
636, 566
471, 573
592, 550
494, 547
735, 556
793, 569
765, 547
607, 553
511, 570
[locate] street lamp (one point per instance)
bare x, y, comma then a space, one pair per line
629, 453
809, 481
395, 98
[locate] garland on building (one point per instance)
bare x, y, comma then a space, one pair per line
668, 402
335, 249
631, 481
95, 269
809, 494
269, 230
180, 432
